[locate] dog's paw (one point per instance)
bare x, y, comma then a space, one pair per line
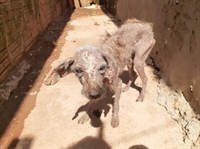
140, 99
51, 79
83, 118
126, 88
115, 122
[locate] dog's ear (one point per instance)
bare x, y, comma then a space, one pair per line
58, 72
111, 72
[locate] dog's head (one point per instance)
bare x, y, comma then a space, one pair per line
93, 68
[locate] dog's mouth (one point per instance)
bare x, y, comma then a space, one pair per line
95, 93
93, 97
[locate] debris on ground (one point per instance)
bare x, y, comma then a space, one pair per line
180, 110
11, 83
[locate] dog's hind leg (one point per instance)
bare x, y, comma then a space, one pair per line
139, 62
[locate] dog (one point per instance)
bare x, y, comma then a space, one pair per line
99, 68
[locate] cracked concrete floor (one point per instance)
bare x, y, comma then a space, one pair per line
142, 125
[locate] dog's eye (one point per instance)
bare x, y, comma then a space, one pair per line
102, 68
78, 70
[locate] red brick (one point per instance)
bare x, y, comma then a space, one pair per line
11, 48
4, 65
4, 72
18, 51
3, 55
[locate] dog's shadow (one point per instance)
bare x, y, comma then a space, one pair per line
102, 106
125, 78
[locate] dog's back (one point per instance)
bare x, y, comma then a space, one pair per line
128, 40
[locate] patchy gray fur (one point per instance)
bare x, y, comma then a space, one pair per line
99, 68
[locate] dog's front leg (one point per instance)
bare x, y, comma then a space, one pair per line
116, 87
88, 113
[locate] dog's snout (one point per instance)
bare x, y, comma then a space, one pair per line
94, 94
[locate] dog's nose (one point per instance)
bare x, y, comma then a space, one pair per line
94, 94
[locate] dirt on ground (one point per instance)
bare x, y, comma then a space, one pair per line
38, 116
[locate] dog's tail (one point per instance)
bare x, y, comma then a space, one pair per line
106, 36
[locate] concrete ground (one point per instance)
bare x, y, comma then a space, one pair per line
53, 122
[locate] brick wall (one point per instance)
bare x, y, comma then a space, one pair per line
21, 22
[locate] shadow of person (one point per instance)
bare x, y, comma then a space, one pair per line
101, 106
92, 142
138, 147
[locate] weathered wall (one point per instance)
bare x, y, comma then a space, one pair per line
21, 21
177, 32
111, 6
